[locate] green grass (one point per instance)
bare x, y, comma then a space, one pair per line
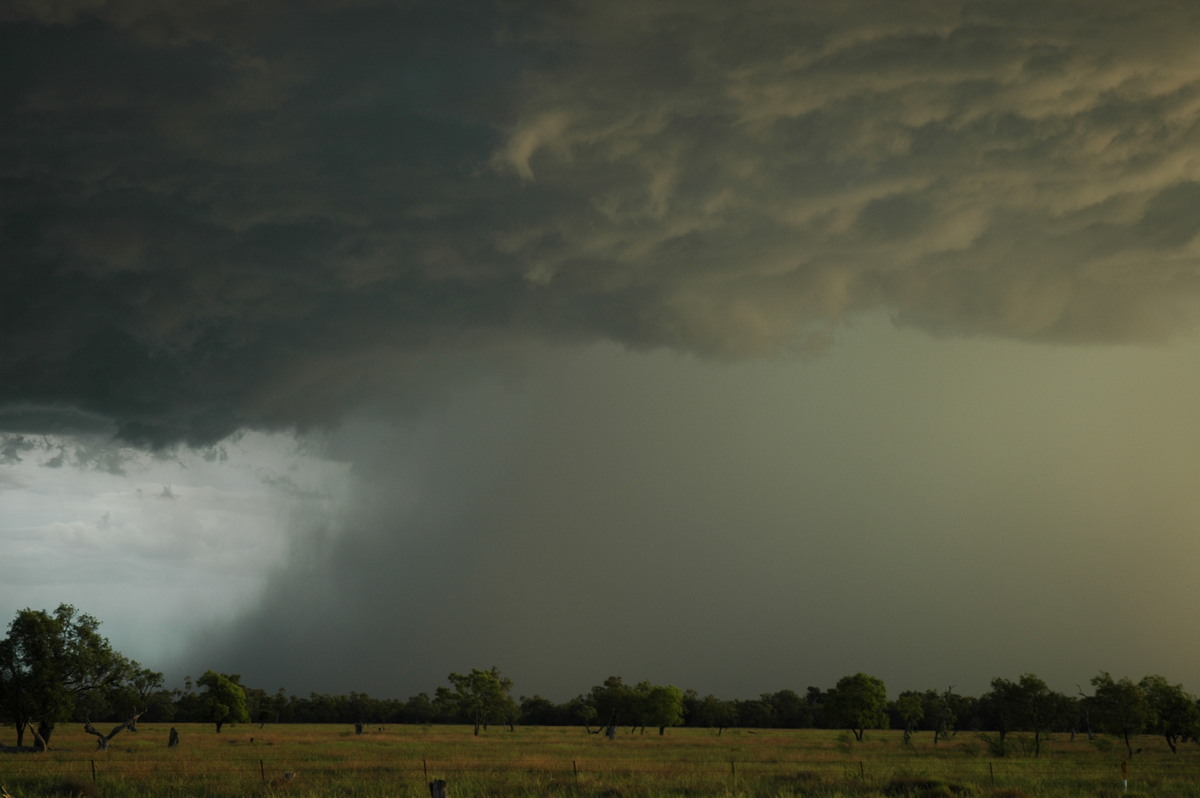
398, 761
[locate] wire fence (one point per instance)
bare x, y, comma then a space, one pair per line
723, 775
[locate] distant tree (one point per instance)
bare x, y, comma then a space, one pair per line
1174, 713
614, 702
481, 697
1003, 709
539, 711
1121, 707
662, 705
713, 713
1043, 708
1026, 704
910, 710
755, 713
223, 699
858, 703
581, 712
938, 712
56, 666
420, 709
790, 710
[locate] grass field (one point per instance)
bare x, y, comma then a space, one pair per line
319, 760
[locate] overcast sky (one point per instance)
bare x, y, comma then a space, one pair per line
345, 344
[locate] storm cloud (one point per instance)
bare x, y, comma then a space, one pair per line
409, 232
218, 217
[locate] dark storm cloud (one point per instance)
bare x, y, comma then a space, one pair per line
219, 216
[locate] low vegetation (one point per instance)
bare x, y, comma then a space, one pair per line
249, 760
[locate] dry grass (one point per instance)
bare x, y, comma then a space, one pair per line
315, 760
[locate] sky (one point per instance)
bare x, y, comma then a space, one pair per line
345, 344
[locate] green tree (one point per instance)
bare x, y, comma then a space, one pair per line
1026, 704
662, 705
1003, 709
1043, 708
1174, 712
1121, 707
223, 699
910, 709
54, 667
938, 711
714, 713
858, 703
481, 697
614, 701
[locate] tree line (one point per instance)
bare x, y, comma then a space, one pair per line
57, 667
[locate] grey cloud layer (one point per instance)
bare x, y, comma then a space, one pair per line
216, 217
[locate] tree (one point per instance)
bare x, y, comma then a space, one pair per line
614, 702
1174, 712
1043, 708
938, 710
481, 697
662, 705
1122, 707
1027, 703
1003, 709
712, 712
858, 703
223, 699
910, 709
55, 667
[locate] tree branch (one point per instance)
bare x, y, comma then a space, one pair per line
102, 739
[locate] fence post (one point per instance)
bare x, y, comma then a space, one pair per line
262, 769
93, 771
575, 769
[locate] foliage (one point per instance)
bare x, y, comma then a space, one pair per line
1027, 704
480, 697
910, 709
858, 703
1173, 711
56, 667
1122, 707
223, 699
661, 705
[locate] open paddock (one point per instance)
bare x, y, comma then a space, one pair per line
400, 761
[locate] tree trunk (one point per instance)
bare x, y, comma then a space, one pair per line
41, 734
219, 723
103, 739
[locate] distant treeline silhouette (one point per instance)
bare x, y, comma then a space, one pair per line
56, 667
1119, 706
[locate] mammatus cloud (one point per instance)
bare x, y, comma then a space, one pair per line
218, 217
